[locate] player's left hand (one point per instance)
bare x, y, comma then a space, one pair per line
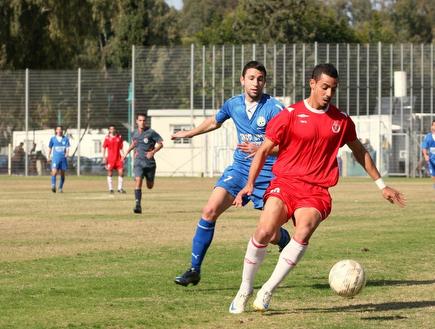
149, 154
394, 196
238, 201
249, 148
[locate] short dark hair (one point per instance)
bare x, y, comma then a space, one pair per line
58, 126
254, 65
111, 125
140, 114
326, 68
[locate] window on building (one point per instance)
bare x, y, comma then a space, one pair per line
177, 128
97, 146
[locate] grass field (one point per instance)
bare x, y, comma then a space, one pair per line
82, 259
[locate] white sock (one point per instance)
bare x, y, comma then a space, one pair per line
254, 256
110, 182
288, 259
120, 180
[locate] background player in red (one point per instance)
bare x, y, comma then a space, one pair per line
308, 134
113, 158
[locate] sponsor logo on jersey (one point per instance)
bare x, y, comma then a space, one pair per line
303, 115
261, 121
145, 140
303, 121
336, 127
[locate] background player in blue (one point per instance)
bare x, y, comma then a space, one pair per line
58, 148
250, 111
147, 142
428, 149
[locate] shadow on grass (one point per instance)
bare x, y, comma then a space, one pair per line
381, 283
370, 307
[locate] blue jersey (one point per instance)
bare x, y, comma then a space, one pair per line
249, 130
429, 144
58, 148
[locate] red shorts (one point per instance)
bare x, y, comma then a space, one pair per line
115, 164
296, 194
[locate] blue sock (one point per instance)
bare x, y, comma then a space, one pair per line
201, 241
138, 196
284, 239
53, 181
62, 180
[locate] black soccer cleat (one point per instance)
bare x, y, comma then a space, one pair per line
191, 276
137, 209
122, 191
53, 189
111, 191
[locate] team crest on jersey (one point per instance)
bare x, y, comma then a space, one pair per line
145, 140
261, 121
336, 127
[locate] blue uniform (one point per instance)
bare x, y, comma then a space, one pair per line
58, 148
252, 131
429, 144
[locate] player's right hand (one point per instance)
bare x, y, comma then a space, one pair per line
247, 190
180, 134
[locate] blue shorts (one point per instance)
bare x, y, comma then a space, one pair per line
431, 165
59, 164
233, 181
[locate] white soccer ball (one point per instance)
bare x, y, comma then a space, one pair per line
347, 278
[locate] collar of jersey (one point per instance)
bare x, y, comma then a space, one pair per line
312, 109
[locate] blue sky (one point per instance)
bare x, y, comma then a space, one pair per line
175, 3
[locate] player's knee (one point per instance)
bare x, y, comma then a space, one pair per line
150, 185
264, 234
209, 213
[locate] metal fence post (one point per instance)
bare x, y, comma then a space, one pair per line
378, 158
26, 123
133, 99
79, 109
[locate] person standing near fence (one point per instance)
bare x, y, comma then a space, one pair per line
146, 142
113, 158
308, 134
58, 149
250, 112
428, 149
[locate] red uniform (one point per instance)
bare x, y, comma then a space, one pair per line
114, 146
306, 166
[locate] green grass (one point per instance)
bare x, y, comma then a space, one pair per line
82, 259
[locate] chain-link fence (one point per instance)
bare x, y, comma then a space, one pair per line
178, 86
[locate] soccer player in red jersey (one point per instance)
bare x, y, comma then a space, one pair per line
112, 156
308, 134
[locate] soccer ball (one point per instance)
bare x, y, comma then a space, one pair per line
347, 278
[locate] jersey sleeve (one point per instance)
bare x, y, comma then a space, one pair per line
105, 143
67, 144
276, 108
425, 142
277, 128
350, 132
50, 143
224, 113
156, 137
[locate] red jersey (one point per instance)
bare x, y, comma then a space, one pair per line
114, 146
308, 141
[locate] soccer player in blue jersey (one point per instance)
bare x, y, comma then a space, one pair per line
147, 143
428, 149
58, 148
250, 112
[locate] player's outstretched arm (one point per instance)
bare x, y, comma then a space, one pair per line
251, 149
132, 146
364, 159
207, 125
257, 164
